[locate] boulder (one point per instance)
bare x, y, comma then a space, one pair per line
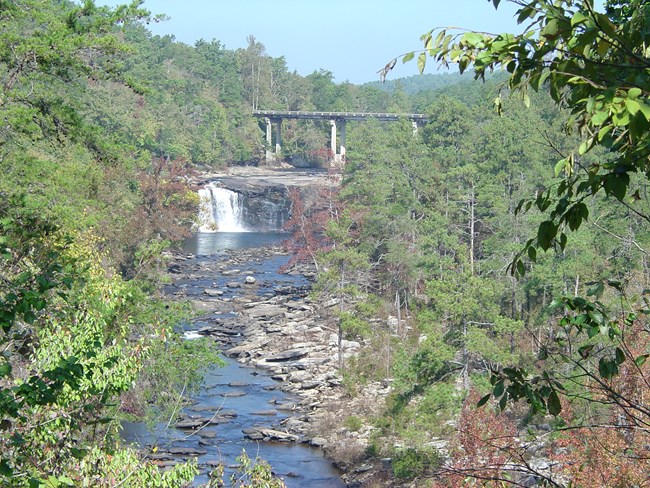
233, 394
299, 376
265, 310
318, 442
265, 413
277, 435
186, 451
288, 355
213, 292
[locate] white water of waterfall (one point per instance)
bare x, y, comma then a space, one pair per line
221, 210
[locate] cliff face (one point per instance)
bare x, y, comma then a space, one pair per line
265, 209
264, 195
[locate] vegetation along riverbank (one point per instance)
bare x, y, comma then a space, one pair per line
468, 294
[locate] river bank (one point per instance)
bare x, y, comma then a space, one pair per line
268, 321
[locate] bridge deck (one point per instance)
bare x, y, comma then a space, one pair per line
279, 114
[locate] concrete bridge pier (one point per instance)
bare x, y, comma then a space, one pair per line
268, 155
333, 138
272, 155
338, 152
341, 155
278, 136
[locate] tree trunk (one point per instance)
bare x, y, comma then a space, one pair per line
472, 228
465, 372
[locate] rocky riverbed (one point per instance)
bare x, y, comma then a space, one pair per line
272, 324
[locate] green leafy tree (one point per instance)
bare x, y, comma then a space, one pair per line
595, 65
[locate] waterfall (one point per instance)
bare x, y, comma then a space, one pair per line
221, 210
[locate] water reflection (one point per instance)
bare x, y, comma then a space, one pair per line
208, 243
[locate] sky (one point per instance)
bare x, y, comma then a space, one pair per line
351, 38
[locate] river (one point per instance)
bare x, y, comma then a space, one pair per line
235, 397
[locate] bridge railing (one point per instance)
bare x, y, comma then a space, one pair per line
289, 114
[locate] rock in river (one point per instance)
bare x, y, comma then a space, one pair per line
288, 355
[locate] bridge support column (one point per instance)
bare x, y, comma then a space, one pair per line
341, 155
278, 136
271, 151
268, 156
333, 138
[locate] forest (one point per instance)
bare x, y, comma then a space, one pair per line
494, 266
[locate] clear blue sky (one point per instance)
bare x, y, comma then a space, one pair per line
351, 38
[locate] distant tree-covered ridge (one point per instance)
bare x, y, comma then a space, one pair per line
412, 85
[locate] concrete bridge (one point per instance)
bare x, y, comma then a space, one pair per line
337, 120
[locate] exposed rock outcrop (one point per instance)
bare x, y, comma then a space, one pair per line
280, 329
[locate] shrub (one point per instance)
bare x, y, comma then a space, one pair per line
410, 462
353, 423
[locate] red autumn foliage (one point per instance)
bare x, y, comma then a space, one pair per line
605, 442
167, 209
307, 224
608, 444
485, 448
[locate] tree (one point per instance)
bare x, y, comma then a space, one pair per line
597, 66
72, 332
45, 46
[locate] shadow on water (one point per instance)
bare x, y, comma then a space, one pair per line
251, 394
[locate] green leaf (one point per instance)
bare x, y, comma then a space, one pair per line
599, 117
532, 254
78, 453
546, 232
634, 93
483, 400
616, 184
551, 29
620, 356
632, 106
422, 61
604, 131
605, 368
596, 290
503, 402
5, 369
472, 38
640, 360
553, 403
498, 389
407, 57
578, 18
596, 317
66, 481
5, 469
645, 109
521, 269
524, 14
